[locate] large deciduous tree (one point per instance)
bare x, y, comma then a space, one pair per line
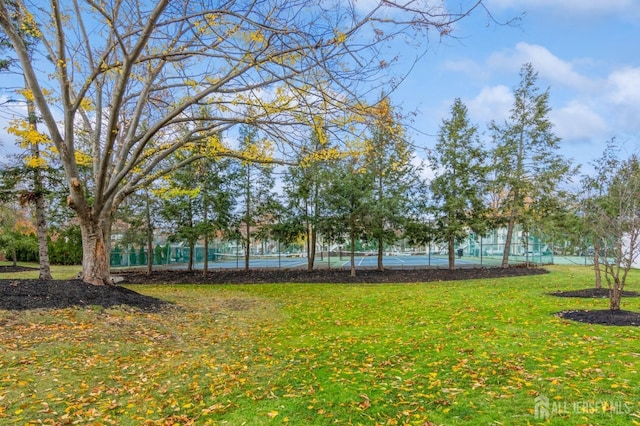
128, 78
528, 167
457, 189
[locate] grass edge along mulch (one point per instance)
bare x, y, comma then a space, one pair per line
22, 294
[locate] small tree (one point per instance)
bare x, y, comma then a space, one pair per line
66, 246
179, 210
349, 190
15, 231
217, 198
614, 215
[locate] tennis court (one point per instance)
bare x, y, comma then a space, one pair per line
368, 262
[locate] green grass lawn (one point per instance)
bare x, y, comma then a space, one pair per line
467, 352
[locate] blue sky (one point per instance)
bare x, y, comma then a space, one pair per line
587, 52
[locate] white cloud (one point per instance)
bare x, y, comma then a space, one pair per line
492, 103
466, 66
622, 92
576, 120
623, 86
594, 106
548, 66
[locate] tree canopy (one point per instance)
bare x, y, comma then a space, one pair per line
459, 183
127, 84
528, 167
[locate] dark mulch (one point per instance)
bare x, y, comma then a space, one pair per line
10, 268
59, 294
32, 294
593, 293
333, 276
603, 317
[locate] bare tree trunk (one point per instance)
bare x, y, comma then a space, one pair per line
380, 225
38, 191
95, 262
507, 242
615, 294
596, 262
247, 218
205, 267
149, 253
311, 236
205, 219
14, 255
192, 249
41, 231
149, 238
247, 247
352, 237
452, 253
313, 239
380, 254
192, 243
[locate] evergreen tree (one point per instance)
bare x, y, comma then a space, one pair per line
349, 189
219, 184
303, 193
388, 161
179, 207
198, 200
458, 162
256, 182
528, 167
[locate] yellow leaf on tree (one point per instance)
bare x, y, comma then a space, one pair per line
83, 159
36, 162
86, 104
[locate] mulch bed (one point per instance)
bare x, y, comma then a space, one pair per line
56, 294
59, 294
603, 317
334, 276
594, 293
9, 268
